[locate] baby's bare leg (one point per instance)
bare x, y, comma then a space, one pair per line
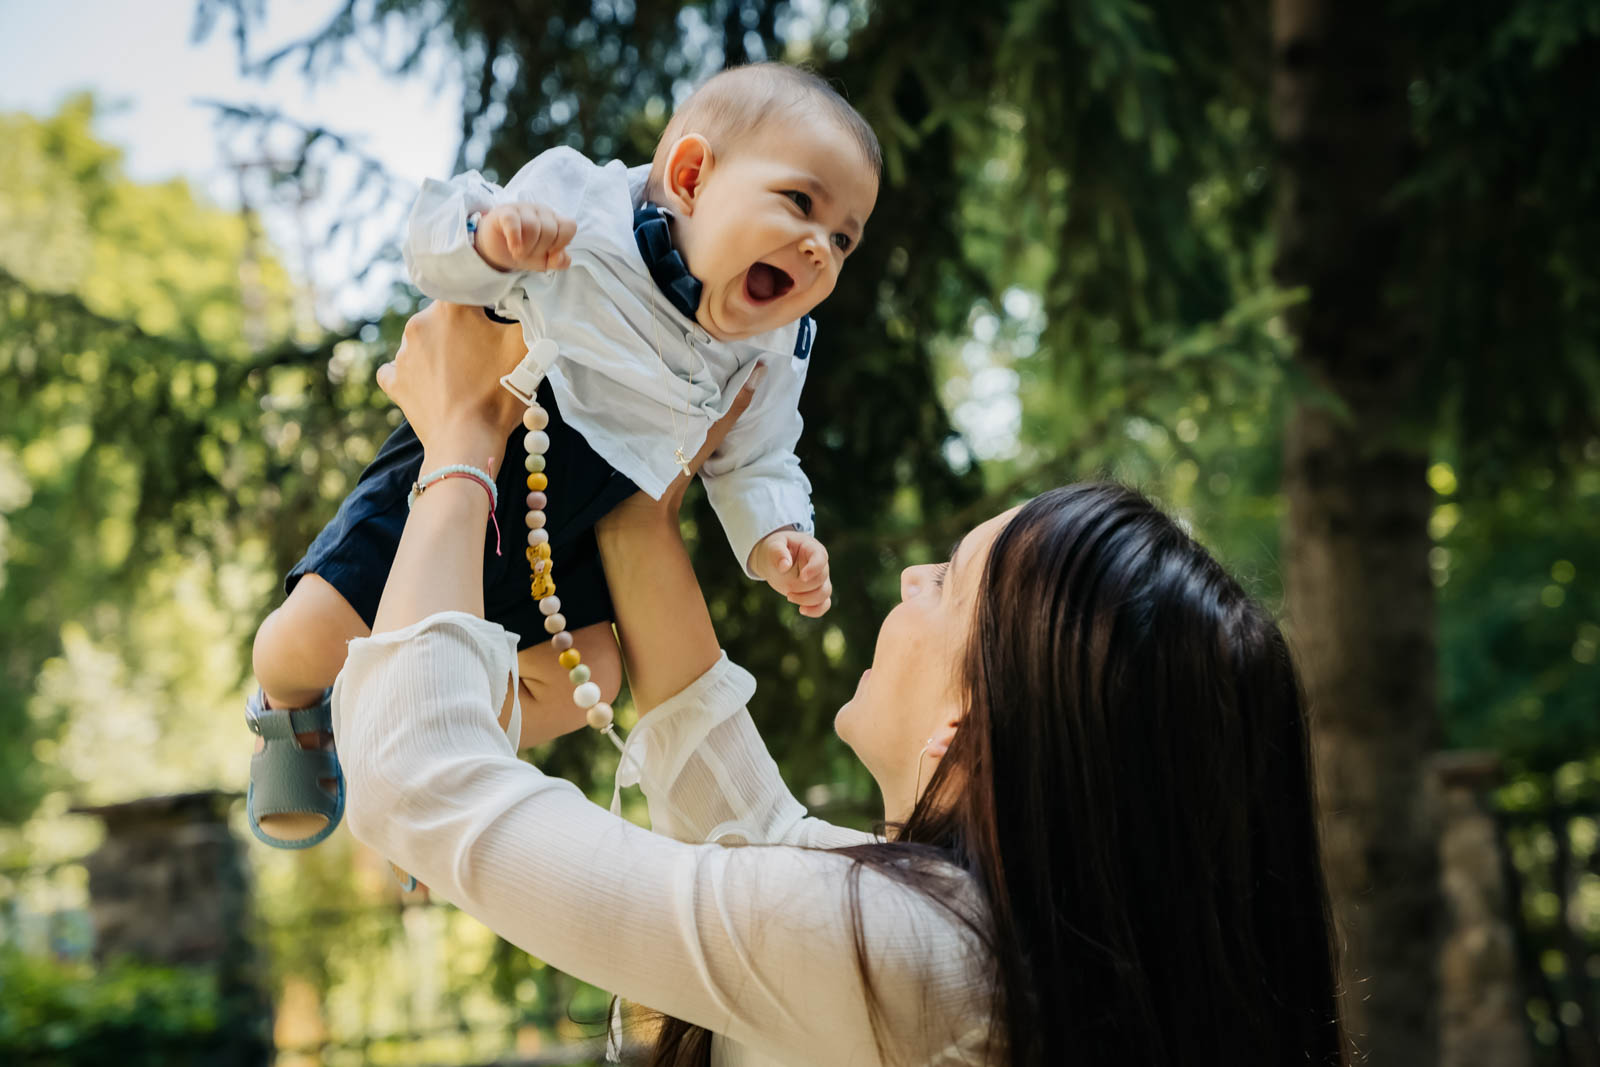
547, 707
298, 653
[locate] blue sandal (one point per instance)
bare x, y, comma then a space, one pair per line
286, 779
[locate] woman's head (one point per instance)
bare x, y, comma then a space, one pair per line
1119, 754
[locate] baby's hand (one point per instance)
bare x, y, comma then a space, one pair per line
524, 237
796, 565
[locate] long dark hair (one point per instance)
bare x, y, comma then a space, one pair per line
1131, 789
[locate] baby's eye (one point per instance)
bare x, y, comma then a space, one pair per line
801, 200
843, 241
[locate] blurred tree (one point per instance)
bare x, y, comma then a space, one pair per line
1426, 178
138, 427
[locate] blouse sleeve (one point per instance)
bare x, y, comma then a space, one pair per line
756, 944
707, 774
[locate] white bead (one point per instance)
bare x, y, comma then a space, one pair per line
550, 605
554, 624
537, 442
534, 464
586, 695
538, 537
535, 418
600, 716
535, 520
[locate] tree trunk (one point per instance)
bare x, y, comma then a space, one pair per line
1360, 599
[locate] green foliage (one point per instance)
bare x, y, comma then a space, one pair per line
1520, 615
73, 1015
139, 424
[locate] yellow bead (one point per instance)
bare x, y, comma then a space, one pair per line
538, 483
569, 659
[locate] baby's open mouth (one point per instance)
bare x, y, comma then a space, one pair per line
763, 282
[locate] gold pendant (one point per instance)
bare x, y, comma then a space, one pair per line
687, 473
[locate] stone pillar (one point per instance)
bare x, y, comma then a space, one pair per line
169, 886
1481, 1012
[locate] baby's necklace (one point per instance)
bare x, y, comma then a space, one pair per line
585, 693
682, 436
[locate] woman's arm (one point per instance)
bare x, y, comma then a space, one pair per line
697, 755
462, 416
662, 622
754, 943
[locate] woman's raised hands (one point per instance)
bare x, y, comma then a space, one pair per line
445, 378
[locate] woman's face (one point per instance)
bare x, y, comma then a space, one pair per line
913, 690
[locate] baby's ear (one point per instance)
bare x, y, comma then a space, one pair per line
688, 165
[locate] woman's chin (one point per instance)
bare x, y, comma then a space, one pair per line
844, 720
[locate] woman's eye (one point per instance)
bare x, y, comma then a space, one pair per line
939, 573
801, 200
842, 240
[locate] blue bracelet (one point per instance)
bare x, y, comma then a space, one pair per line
443, 472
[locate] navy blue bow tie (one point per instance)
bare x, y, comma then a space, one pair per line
665, 263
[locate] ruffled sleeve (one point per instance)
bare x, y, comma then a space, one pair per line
707, 774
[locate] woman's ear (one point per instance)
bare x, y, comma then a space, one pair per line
688, 165
939, 743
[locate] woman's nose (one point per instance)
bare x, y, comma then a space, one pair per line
912, 581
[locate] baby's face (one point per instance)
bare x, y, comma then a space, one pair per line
772, 225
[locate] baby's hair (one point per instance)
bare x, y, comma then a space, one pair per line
739, 101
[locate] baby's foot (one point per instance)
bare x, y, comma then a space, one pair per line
296, 790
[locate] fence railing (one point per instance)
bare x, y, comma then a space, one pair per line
1551, 867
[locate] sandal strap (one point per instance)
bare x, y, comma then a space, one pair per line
282, 724
288, 780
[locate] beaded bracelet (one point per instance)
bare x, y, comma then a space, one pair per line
585, 693
462, 470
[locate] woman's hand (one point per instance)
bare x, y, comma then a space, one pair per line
445, 377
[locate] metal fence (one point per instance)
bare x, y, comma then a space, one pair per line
1551, 866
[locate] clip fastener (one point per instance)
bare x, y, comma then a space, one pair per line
523, 381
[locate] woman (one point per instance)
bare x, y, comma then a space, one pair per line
1089, 741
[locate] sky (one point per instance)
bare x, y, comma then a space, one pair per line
138, 58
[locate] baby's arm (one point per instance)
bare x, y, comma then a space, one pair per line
763, 498
524, 226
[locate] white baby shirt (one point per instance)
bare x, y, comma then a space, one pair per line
608, 319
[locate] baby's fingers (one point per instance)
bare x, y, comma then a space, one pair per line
810, 598
513, 231
813, 562
563, 231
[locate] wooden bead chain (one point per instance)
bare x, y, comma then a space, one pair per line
585, 694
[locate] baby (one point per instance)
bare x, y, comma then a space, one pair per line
648, 298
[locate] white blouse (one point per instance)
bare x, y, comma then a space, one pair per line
754, 943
